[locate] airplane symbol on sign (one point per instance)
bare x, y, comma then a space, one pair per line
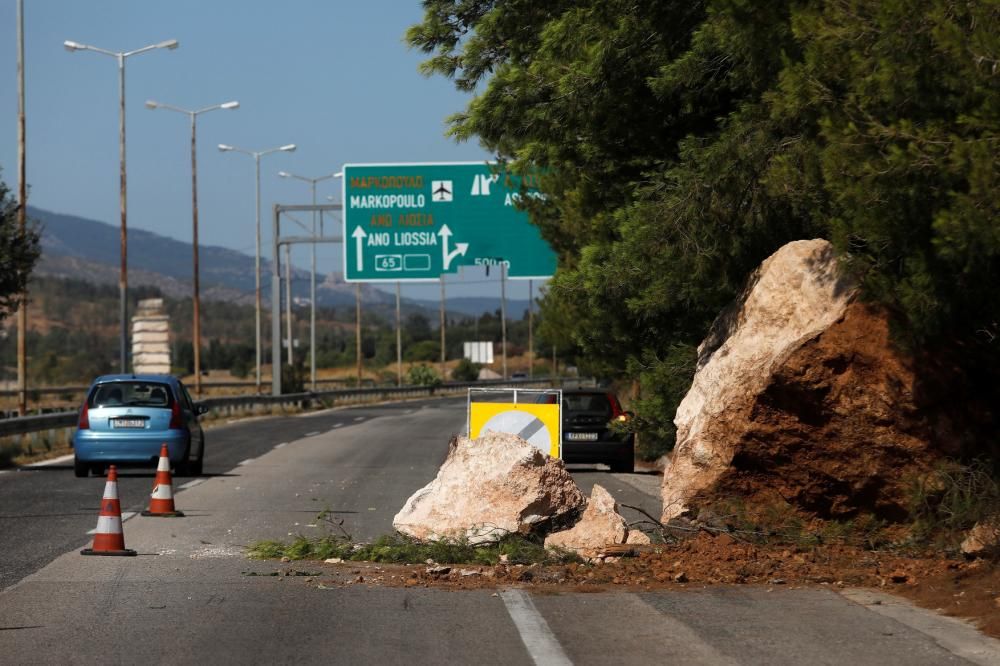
441, 190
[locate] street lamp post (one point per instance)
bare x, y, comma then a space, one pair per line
256, 155
120, 56
312, 277
193, 115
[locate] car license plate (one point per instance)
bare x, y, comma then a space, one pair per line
128, 423
582, 436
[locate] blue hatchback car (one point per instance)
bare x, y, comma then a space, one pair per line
126, 418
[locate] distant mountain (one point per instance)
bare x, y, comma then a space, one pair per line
84, 249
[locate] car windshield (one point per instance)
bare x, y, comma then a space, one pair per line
587, 402
131, 394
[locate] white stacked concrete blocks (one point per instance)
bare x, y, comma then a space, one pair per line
151, 338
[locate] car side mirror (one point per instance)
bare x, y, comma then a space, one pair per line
202, 409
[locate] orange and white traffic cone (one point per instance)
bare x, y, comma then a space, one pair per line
109, 539
161, 503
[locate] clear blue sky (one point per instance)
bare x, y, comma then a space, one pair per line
333, 77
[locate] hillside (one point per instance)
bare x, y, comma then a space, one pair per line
84, 249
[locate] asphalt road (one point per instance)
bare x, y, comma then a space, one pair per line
189, 596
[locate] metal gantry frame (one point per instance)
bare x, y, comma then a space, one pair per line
277, 241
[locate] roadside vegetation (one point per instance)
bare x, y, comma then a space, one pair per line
75, 327
677, 145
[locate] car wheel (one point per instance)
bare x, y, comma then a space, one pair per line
98, 470
80, 469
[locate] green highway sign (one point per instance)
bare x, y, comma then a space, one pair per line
412, 222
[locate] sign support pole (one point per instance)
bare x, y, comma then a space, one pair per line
443, 376
357, 329
503, 315
531, 330
288, 300
399, 342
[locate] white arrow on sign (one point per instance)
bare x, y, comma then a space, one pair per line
359, 235
447, 257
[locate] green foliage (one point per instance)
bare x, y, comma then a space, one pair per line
18, 252
422, 375
465, 371
898, 106
426, 350
681, 144
663, 383
400, 549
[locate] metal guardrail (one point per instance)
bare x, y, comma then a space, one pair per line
56, 390
26, 424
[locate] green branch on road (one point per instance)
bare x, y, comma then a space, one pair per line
399, 549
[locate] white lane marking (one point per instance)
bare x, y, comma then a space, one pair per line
956, 636
246, 462
192, 483
53, 461
125, 516
337, 425
312, 434
278, 446
409, 411
539, 640
359, 418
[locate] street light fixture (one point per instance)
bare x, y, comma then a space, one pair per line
256, 155
193, 115
120, 56
312, 278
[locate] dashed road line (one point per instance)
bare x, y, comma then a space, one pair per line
246, 462
541, 643
192, 483
338, 425
312, 434
359, 418
278, 446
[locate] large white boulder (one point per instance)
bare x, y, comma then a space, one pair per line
795, 295
490, 486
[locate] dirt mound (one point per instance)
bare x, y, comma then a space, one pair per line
841, 428
954, 587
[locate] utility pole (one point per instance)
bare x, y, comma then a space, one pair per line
357, 328
443, 375
399, 341
120, 57
256, 155
22, 210
195, 283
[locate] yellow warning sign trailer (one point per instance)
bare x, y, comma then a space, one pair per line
533, 414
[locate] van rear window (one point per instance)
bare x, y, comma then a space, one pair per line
130, 394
